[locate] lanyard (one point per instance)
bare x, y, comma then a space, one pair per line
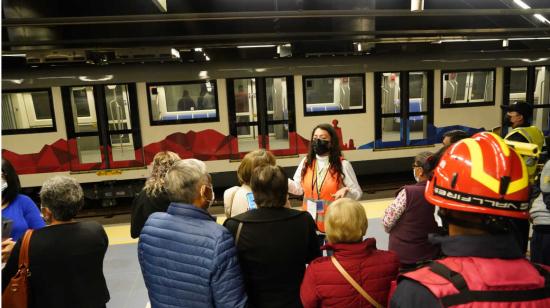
315, 180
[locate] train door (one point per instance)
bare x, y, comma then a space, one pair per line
261, 115
530, 84
404, 108
102, 126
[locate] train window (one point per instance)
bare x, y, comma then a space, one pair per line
471, 88
83, 108
183, 102
334, 94
261, 114
541, 93
27, 112
403, 109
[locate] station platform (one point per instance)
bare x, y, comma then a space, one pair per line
123, 274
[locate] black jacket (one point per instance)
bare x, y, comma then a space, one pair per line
274, 246
66, 265
142, 207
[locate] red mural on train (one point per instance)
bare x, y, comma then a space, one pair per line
205, 145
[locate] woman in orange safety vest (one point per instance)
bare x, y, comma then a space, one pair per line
324, 175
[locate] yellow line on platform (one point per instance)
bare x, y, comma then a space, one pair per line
120, 233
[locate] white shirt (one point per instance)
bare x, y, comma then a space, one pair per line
235, 201
350, 180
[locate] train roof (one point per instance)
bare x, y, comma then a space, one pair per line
109, 32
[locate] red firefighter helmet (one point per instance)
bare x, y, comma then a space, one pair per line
481, 175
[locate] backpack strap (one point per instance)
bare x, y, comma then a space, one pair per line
466, 295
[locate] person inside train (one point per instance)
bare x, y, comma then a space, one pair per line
410, 218
274, 242
152, 198
186, 103
484, 265
206, 99
324, 175
241, 100
18, 208
518, 116
372, 269
539, 215
453, 136
186, 258
239, 199
66, 257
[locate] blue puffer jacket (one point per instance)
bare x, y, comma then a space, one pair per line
188, 260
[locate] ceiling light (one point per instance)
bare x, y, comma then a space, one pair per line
203, 74
207, 57
103, 78
175, 53
522, 4
541, 18
198, 49
528, 38
505, 43
255, 46
14, 55
535, 60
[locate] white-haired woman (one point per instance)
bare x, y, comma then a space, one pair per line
152, 197
66, 257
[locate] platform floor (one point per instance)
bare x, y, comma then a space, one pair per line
123, 275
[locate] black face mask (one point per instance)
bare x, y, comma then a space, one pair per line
320, 147
507, 121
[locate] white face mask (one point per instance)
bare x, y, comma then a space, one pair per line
4, 185
211, 201
416, 178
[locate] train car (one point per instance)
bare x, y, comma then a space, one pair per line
102, 124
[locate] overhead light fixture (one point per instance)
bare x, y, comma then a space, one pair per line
528, 38
175, 53
522, 4
14, 55
505, 43
542, 18
535, 60
88, 78
203, 74
198, 49
417, 5
467, 40
206, 57
260, 70
255, 46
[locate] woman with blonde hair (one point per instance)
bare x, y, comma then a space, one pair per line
324, 285
239, 199
152, 197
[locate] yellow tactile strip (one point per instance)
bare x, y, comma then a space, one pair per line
120, 233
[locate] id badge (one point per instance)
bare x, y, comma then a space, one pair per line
251, 203
316, 208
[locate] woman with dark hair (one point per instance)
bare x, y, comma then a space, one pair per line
17, 207
324, 175
152, 197
274, 242
66, 257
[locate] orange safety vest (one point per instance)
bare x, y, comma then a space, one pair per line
327, 187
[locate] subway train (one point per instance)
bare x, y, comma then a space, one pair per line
102, 124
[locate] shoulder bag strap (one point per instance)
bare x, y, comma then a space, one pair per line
239, 228
24, 251
354, 284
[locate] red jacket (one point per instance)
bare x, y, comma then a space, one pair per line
373, 269
484, 274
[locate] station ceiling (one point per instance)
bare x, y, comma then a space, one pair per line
96, 30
